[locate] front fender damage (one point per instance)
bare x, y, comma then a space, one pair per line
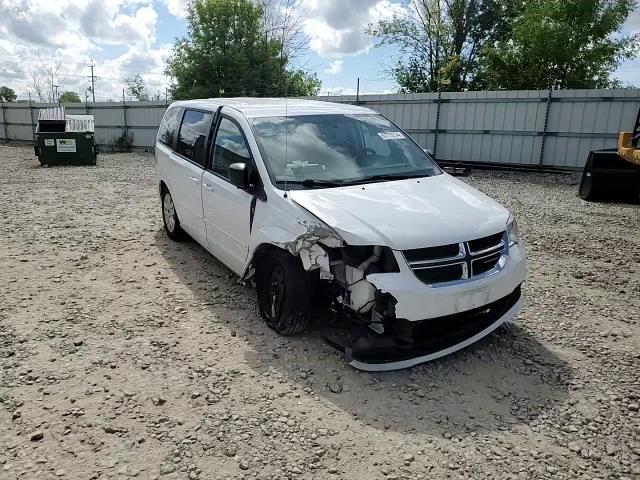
309, 246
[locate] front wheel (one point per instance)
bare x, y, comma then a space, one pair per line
284, 291
170, 217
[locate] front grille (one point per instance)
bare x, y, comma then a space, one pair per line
457, 261
446, 273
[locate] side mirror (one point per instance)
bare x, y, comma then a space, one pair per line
239, 175
428, 151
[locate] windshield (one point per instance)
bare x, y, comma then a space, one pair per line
319, 151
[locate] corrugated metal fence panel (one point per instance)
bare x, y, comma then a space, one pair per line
18, 122
499, 127
585, 120
489, 127
509, 126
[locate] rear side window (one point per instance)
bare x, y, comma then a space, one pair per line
169, 126
192, 141
231, 147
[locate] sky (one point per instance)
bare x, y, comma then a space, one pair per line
128, 37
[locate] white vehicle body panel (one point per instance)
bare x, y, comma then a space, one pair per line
406, 214
400, 215
183, 179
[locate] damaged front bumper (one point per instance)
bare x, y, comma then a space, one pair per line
409, 343
430, 322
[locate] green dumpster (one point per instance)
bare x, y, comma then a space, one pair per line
65, 139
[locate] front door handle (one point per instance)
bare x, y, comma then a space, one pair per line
195, 179
207, 186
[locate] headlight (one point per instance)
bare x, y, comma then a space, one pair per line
512, 231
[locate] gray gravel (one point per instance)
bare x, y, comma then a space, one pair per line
125, 355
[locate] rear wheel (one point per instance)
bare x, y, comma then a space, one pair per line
170, 217
284, 291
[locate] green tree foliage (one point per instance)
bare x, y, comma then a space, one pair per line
69, 97
443, 40
137, 88
7, 94
228, 51
562, 44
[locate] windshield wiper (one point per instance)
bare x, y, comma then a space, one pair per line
381, 178
310, 182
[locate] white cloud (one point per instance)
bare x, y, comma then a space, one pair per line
177, 8
104, 22
74, 31
633, 22
335, 91
143, 60
337, 27
334, 67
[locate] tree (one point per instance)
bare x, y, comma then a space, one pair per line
232, 49
563, 44
45, 79
7, 94
283, 23
69, 97
137, 88
444, 40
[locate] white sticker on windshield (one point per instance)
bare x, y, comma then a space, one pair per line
391, 135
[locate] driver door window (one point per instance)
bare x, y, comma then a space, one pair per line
230, 147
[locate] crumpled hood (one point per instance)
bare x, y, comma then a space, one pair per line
406, 214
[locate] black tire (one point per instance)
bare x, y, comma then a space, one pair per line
284, 291
170, 217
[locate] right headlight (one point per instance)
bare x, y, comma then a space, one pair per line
512, 231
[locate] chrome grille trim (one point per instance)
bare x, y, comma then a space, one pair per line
495, 255
448, 260
497, 247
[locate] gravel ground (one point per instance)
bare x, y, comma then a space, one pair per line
124, 354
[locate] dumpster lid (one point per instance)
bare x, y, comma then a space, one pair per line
80, 123
51, 114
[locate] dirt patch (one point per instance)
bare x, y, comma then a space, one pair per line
125, 354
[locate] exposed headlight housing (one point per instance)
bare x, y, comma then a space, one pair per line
512, 231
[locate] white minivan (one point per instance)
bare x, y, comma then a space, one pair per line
332, 207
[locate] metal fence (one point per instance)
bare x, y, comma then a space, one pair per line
136, 121
533, 128
529, 127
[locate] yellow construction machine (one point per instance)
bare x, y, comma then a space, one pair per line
614, 174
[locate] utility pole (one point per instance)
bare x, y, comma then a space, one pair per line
93, 81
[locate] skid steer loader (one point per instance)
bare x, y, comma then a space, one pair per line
614, 174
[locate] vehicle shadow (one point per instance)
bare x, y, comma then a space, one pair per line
505, 381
